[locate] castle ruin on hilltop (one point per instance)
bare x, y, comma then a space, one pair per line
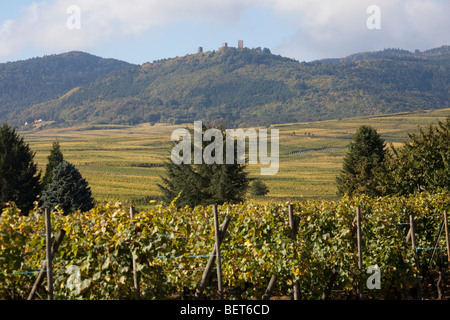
224, 46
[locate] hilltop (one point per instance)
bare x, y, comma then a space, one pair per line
33, 81
243, 87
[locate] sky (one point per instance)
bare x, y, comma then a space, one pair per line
139, 31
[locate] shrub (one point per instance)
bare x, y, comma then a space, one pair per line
259, 188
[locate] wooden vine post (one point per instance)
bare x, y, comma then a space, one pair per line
137, 288
293, 225
360, 255
412, 226
413, 233
217, 245
447, 238
40, 278
48, 232
206, 273
273, 279
270, 287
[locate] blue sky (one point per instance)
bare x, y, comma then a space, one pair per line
141, 31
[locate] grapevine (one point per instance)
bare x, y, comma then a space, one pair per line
171, 247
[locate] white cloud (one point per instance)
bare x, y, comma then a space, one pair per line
5, 34
319, 28
334, 28
44, 24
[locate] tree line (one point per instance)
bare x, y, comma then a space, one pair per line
421, 164
370, 167
61, 187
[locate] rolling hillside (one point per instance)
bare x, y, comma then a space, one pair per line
246, 87
123, 162
29, 82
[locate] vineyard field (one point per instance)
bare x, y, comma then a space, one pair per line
124, 163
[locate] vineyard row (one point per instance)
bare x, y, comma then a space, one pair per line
323, 249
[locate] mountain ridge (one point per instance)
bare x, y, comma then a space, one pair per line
246, 87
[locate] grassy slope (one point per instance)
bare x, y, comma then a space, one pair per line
111, 157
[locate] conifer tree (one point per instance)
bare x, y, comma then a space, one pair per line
19, 177
55, 158
363, 159
204, 184
68, 190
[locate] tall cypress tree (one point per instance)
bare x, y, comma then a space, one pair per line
68, 190
364, 157
19, 177
54, 159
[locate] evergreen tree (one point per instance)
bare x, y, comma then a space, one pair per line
55, 158
19, 177
229, 183
68, 190
183, 183
204, 184
360, 164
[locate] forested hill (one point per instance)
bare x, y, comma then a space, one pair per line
28, 82
249, 87
437, 53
